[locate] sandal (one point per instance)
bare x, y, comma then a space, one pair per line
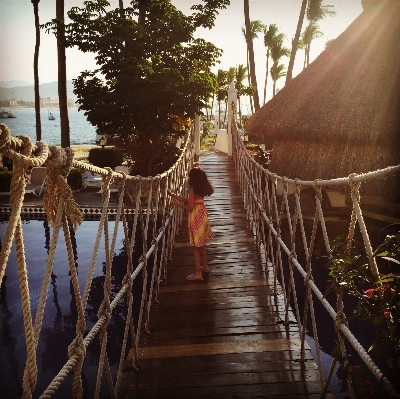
191, 277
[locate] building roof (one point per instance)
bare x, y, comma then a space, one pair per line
350, 93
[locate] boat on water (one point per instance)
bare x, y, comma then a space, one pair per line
51, 116
7, 114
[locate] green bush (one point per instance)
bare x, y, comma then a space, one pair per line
5, 179
103, 157
74, 179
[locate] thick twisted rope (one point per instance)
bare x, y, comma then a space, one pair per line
272, 220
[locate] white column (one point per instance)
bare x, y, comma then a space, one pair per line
232, 98
197, 135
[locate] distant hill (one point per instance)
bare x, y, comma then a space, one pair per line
14, 83
26, 93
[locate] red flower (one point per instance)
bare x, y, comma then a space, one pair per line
369, 293
386, 314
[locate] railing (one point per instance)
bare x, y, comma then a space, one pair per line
152, 204
268, 212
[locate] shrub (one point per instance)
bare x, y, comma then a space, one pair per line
74, 179
5, 179
105, 157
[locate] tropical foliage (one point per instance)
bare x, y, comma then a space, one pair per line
250, 32
378, 304
316, 11
152, 75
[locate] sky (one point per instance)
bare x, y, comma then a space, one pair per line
17, 36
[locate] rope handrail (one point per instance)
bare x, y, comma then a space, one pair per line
266, 209
61, 210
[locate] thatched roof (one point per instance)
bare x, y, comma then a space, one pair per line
349, 95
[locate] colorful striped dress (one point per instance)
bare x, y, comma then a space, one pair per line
199, 227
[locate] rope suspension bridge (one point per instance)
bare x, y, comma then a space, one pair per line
185, 332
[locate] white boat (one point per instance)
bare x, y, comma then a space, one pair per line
3, 114
11, 115
51, 117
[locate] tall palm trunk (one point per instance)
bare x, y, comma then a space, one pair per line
295, 41
62, 75
121, 8
36, 71
240, 112
266, 78
249, 41
248, 78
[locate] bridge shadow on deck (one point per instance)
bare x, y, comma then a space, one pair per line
222, 337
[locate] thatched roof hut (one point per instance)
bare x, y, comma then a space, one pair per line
342, 113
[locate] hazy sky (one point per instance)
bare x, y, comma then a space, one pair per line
17, 35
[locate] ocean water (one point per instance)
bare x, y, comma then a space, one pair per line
81, 131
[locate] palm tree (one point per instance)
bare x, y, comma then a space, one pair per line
240, 76
36, 71
316, 11
250, 32
277, 72
310, 33
62, 75
230, 77
221, 92
269, 36
121, 8
295, 41
277, 52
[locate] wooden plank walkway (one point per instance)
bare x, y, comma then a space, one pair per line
222, 337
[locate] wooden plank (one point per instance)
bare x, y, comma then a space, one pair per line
225, 336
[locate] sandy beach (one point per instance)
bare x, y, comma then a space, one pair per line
81, 151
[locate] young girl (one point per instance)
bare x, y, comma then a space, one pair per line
199, 227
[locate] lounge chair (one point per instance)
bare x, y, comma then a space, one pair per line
37, 182
91, 181
122, 168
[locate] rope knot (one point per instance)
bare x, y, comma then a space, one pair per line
340, 319
318, 193
308, 277
77, 347
58, 166
127, 279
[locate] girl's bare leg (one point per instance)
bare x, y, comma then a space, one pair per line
203, 252
196, 255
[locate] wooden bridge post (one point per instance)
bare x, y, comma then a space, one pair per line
197, 137
232, 99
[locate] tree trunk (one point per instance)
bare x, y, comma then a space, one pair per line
219, 114
295, 42
121, 8
266, 79
36, 71
142, 12
62, 75
249, 41
248, 78
240, 112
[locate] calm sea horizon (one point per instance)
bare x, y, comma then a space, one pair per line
82, 132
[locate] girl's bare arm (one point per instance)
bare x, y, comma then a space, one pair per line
189, 205
177, 197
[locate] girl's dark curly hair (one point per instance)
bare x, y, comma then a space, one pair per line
199, 182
